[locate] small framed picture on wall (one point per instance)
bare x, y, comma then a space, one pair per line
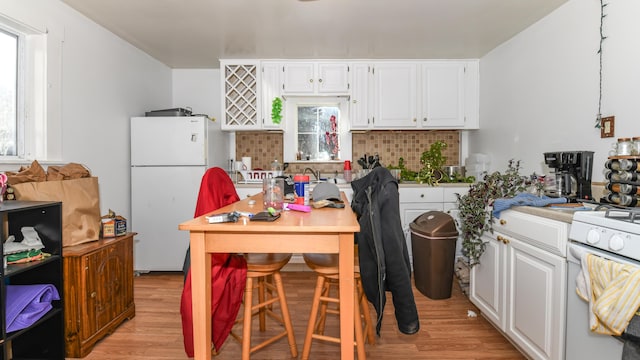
607, 127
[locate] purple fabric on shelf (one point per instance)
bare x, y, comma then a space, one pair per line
28, 303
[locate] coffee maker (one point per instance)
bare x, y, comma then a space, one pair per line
572, 170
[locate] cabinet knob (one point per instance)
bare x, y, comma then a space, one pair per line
415, 120
93, 294
310, 80
355, 101
502, 239
422, 195
503, 222
424, 119
319, 80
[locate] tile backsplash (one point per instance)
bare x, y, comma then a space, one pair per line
264, 147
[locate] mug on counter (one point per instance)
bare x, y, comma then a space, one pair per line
246, 161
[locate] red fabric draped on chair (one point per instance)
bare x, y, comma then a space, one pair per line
228, 271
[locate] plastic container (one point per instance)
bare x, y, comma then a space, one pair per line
476, 165
433, 239
301, 186
347, 171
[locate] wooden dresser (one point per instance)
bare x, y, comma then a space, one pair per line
98, 287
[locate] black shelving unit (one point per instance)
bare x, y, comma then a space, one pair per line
45, 338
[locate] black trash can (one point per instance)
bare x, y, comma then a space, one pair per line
433, 239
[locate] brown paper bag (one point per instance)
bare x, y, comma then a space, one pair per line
80, 205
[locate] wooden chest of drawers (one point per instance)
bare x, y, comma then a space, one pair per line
98, 287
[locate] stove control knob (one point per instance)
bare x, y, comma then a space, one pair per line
593, 237
616, 243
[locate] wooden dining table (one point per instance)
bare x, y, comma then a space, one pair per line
323, 230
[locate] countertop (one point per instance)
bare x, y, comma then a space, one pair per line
348, 185
564, 215
549, 213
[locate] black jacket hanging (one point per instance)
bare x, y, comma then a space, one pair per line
384, 259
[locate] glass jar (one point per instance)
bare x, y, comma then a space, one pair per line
623, 146
635, 148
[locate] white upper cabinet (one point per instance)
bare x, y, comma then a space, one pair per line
383, 94
425, 95
271, 89
394, 95
309, 78
240, 95
442, 95
360, 109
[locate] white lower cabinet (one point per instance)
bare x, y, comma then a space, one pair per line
245, 192
415, 201
520, 288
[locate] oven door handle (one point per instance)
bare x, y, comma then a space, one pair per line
577, 251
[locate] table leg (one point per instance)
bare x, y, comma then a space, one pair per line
201, 296
346, 295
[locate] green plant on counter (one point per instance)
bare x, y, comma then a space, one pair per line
276, 110
457, 178
475, 213
405, 174
432, 161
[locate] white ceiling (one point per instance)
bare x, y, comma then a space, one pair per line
196, 33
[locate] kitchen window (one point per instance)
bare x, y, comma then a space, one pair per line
23, 93
317, 129
8, 93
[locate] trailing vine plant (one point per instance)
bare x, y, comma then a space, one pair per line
475, 212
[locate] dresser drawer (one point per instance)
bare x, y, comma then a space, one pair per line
421, 194
545, 233
450, 193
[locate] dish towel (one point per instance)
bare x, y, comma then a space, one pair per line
25, 304
524, 199
612, 290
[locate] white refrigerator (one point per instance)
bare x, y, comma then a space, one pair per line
169, 156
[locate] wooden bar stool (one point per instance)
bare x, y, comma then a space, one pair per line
326, 266
263, 273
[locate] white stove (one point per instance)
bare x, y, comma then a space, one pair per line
613, 230
612, 234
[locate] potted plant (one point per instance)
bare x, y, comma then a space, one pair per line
475, 211
276, 110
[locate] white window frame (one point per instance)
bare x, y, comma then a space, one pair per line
31, 111
291, 125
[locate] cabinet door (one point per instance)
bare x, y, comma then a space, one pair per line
360, 114
240, 95
487, 282
395, 86
307, 78
333, 78
271, 89
299, 78
106, 287
442, 95
536, 294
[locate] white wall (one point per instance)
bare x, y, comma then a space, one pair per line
539, 90
199, 89
103, 81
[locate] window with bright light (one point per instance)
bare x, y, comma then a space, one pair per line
8, 93
317, 129
26, 131
318, 135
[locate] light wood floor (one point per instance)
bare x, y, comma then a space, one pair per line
446, 331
